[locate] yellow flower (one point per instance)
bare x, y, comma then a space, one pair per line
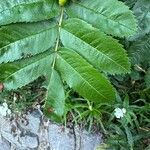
62, 2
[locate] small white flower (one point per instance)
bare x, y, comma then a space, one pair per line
119, 113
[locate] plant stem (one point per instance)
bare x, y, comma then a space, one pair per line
58, 38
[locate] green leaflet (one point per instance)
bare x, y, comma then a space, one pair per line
110, 16
55, 99
22, 40
142, 11
12, 11
139, 51
19, 73
83, 78
102, 51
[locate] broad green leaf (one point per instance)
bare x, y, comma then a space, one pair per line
102, 51
19, 73
83, 78
22, 40
110, 16
55, 99
12, 11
